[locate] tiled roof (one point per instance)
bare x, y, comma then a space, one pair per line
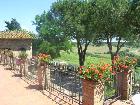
15, 35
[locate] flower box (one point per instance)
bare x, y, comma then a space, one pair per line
93, 77
124, 72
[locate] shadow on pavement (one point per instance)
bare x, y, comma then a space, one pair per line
17, 75
7, 68
37, 87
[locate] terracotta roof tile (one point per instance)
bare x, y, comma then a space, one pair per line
15, 35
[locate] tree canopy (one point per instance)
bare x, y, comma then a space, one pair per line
76, 23
51, 34
133, 20
12, 25
111, 23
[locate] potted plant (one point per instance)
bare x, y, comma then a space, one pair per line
124, 64
10, 54
124, 67
93, 78
43, 58
22, 59
22, 56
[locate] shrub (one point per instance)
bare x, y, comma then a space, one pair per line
96, 72
124, 63
22, 55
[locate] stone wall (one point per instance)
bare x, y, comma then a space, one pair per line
15, 45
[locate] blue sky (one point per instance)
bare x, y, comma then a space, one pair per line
24, 11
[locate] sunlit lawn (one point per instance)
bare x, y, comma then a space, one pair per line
72, 58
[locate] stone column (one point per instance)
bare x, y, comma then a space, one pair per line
124, 84
93, 93
40, 73
20, 69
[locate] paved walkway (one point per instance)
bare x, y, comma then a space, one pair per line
15, 91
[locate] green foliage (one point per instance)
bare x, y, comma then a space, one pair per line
72, 58
22, 55
109, 18
96, 72
133, 16
110, 23
130, 54
46, 47
36, 44
51, 35
124, 53
76, 22
12, 25
109, 90
85, 21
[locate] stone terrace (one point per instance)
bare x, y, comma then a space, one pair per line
15, 90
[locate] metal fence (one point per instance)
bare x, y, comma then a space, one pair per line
65, 80
60, 79
110, 89
136, 81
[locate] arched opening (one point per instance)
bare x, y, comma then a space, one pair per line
22, 49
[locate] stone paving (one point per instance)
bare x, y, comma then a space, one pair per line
15, 91
120, 102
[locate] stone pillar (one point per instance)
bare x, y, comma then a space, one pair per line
40, 74
124, 84
93, 93
20, 69
0, 58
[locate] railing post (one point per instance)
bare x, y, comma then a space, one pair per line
124, 83
45, 76
40, 72
93, 92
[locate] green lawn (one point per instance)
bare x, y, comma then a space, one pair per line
72, 58
94, 55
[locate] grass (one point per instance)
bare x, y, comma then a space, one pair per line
94, 55
72, 58
137, 75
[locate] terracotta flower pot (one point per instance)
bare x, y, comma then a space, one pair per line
93, 92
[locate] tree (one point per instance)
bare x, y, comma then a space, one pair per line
51, 34
111, 23
76, 23
133, 20
12, 25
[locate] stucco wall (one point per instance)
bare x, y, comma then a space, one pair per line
15, 45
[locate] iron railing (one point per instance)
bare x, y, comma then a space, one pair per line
60, 79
